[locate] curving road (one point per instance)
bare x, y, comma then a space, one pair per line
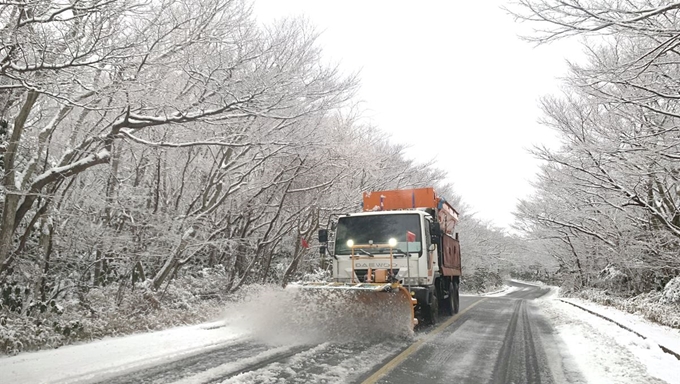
492, 340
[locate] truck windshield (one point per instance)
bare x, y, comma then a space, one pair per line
378, 229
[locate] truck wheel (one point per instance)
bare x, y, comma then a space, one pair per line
431, 311
447, 304
456, 298
441, 294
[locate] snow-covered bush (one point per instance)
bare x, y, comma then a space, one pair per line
481, 280
671, 292
611, 277
113, 310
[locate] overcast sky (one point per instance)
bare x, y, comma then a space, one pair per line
450, 78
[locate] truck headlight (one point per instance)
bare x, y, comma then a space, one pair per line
392, 242
350, 243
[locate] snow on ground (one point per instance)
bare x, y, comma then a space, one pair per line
312, 367
605, 352
602, 351
266, 314
105, 357
214, 374
503, 291
666, 336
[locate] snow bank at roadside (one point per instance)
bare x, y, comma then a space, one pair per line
103, 358
654, 306
502, 292
660, 334
597, 346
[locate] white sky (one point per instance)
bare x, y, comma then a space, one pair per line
452, 79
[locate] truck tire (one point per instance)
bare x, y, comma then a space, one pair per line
446, 304
456, 298
430, 311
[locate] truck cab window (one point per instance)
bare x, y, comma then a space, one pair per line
378, 230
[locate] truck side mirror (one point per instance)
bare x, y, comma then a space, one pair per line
435, 232
323, 235
435, 229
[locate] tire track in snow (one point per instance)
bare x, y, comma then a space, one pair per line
190, 365
503, 367
521, 358
323, 363
533, 372
277, 358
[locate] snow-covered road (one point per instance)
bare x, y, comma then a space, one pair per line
521, 335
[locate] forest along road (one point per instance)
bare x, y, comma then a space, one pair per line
492, 340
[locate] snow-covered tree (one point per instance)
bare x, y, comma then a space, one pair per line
610, 196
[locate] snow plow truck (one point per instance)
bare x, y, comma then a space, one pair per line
400, 256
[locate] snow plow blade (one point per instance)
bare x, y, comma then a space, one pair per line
369, 309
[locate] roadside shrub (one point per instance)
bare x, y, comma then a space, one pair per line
480, 281
112, 310
671, 292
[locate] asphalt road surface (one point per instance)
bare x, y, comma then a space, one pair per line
492, 340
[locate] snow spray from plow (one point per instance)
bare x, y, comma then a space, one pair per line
371, 308
305, 313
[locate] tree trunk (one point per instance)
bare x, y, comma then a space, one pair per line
171, 263
578, 262
12, 195
46, 240
96, 281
